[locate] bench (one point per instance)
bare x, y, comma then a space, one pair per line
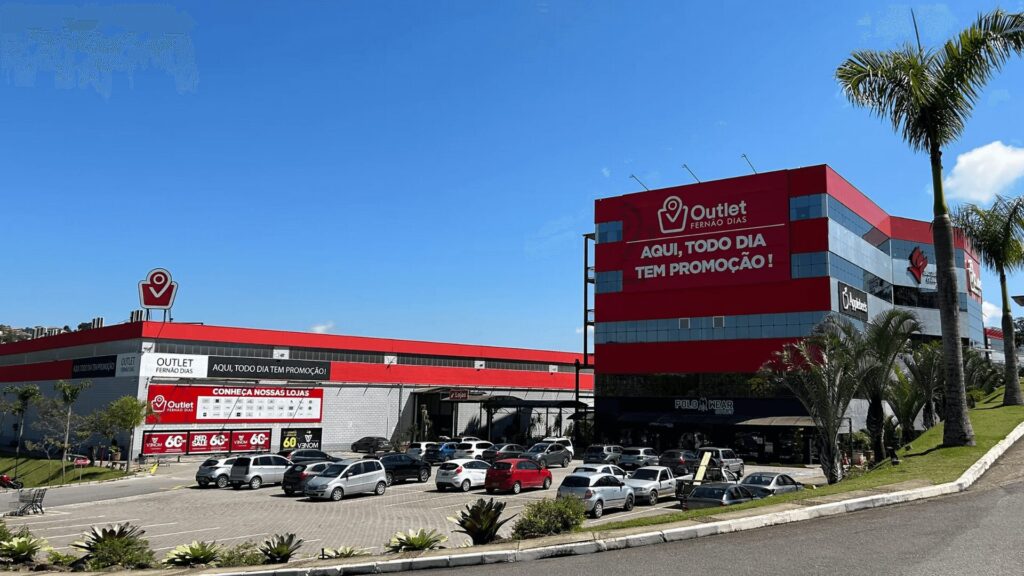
28, 502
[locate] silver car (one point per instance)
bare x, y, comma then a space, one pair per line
716, 494
598, 491
636, 457
768, 483
602, 469
216, 471
651, 482
348, 477
258, 470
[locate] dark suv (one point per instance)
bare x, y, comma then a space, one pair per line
680, 462
296, 476
371, 444
398, 466
548, 455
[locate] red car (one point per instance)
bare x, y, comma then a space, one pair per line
515, 474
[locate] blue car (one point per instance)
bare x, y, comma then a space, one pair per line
447, 451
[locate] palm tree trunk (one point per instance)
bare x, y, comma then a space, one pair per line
1011, 396
828, 455
876, 425
957, 430
64, 452
928, 416
17, 449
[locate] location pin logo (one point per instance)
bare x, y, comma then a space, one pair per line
672, 216
158, 290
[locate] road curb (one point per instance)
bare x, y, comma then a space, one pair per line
521, 554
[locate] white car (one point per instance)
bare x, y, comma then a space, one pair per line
563, 441
473, 449
601, 469
461, 474
419, 448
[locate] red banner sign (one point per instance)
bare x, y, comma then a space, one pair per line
165, 442
205, 442
171, 404
250, 440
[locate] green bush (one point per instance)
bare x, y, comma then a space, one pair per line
343, 552
975, 396
124, 552
194, 554
279, 548
421, 539
546, 517
481, 520
21, 549
244, 554
57, 559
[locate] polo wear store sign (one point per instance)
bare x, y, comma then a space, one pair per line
205, 442
170, 404
705, 236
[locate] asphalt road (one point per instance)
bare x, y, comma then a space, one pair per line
163, 481
977, 532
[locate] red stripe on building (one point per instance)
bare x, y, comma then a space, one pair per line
743, 356
438, 376
56, 370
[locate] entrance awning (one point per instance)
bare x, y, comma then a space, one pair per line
672, 418
496, 402
792, 421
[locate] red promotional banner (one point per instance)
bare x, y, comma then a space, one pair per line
203, 442
172, 404
696, 236
164, 442
250, 441
187, 442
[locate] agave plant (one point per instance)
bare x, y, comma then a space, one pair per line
279, 548
97, 535
481, 520
194, 554
22, 549
421, 539
344, 552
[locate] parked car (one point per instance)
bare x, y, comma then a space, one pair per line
461, 474
716, 494
472, 449
78, 460
216, 471
685, 484
419, 448
297, 475
602, 469
598, 492
637, 457
679, 461
602, 454
400, 467
771, 482
503, 451
258, 470
442, 453
548, 455
725, 458
307, 455
564, 441
651, 482
347, 477
371, 444
515, 474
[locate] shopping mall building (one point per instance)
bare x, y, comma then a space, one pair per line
696, 286
214, 389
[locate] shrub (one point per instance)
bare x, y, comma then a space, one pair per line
244, 554
421, 539
5, 532
57, 559
975, 396
279, 548
546, 517
21, 549
194, 554
116, 545
481, 520
343, 552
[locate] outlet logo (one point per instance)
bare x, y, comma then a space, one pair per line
918, 262
159, 403
672, 216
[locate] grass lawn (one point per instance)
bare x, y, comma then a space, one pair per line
35, 472
923, 459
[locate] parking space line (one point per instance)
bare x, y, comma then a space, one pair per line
49, 521
217, 540
71, 526
184, 532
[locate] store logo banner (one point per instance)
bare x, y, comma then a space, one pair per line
268, 368
853, 302
301, 438
157, 291
127, 365
174, 365
918, 263
184, 404
96, 367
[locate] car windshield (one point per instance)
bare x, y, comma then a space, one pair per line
334, 470
758, 480
448, 466
464, 446
706, 492
631, 452
538, 448
576, 482
502, 465
211, 462
645, 474
583, 469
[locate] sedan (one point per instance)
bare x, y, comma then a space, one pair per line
771, 482
548, 455
461, 474
398, 466
503, 451
296, 476
515, 474
598, 491
717, 494
371, 444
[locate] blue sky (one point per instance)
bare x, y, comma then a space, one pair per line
420, 170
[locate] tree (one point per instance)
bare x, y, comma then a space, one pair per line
49, 423
925, 369
822, 372
928, 96
906, 399
24, 396
126, 414
886, 338
998, 234
67, 394
980, 373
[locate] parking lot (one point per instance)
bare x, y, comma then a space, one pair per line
186, 513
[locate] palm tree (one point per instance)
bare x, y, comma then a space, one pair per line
886, 338
906, 399
926, 370
821, 371
927, 96
998, 234
980, 373
68, 393
24, 397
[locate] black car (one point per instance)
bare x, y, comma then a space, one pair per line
306, 455
371, 444
503, 451
295, 477
398, 466
679, 461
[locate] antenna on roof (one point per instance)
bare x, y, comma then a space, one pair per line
744, 156
691, 173
917, 33
639, 182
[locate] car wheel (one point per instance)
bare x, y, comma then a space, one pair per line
203, 483
289, 492
236, 485
465, 485
441, 488
653, 498
256, 482
489, 490
547, 483
629, 503
598, 510
565, 462
517, 488
543, 464
389, 478
337, 494
379, 490
222, 481
424, 475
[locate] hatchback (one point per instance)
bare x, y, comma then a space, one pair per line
602, 454
296, 476
461, 474
347, 477
215, 471
716, 494
472, 449
503, 451
515, 474
419, 448
598, 491
258, 470
445, 452
548, 455
638, 457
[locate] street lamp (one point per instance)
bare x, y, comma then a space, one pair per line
1018, 299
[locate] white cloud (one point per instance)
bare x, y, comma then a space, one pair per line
990, 311
323, 328
999, 96
606, 172
982, 173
